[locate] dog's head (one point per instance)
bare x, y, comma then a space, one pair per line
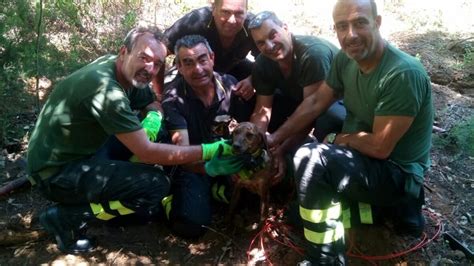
247, 139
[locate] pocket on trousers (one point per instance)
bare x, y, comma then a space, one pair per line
398, 177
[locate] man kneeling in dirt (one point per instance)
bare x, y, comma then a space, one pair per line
195, 103
83, 111
382, 153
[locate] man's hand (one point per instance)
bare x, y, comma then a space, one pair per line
271, 141
209, 150
152, 124
244, 88
219, 165
279, 164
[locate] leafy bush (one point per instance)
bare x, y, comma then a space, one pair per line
468, 56
464, 137
72, 34
458, 140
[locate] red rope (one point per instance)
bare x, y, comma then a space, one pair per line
422, 243
272, 229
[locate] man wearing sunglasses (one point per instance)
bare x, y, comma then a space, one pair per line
289, 69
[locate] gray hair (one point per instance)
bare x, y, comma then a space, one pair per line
257, 21
190, 41
133, 35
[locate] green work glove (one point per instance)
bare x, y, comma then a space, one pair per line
152, 124
228, 165
209, 150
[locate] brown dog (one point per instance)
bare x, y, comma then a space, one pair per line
255, 176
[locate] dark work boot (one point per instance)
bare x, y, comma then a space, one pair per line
409, 219
67, 225
325, 254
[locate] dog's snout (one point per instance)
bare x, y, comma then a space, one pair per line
237, 147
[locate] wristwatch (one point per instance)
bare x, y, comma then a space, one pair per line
331, 138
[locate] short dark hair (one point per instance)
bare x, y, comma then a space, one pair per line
219, 3
190, 41
133, 35
257, 20
373, 5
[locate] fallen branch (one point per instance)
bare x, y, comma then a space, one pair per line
15, 184
459, 42
9, 237
437, 129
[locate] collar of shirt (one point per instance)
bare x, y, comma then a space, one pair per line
221, 93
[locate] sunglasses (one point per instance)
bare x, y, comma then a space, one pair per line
260, 18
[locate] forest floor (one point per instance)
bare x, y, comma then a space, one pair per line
449, 207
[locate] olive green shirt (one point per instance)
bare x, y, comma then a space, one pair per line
399, 86
80, 114
312, 59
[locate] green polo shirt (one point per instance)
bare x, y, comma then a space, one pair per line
80, 114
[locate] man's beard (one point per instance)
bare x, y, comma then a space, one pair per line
360, 56
139, 85
143, 75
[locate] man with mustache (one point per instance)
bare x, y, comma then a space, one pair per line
380, 157
91, 105
224, 25
194, 104
289, 69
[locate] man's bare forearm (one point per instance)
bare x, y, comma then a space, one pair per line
364, 142
304, 115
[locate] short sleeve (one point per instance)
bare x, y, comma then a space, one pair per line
111, 108
262, 76
315, 65
172, 105
401, 94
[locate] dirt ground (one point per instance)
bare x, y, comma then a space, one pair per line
449, 206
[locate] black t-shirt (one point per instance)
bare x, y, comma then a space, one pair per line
200, 21
184, 110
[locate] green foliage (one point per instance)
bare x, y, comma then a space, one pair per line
464, 137
458, 140
468, 56
465, 57
17, 50
73, 33
130, 19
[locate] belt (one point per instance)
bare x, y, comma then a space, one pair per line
44, 174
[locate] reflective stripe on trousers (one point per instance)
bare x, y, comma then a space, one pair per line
166, 202
218, 193
365, 215
109, 210
328, 222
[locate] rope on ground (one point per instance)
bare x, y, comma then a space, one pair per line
425, 240
272, 229
283, 234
